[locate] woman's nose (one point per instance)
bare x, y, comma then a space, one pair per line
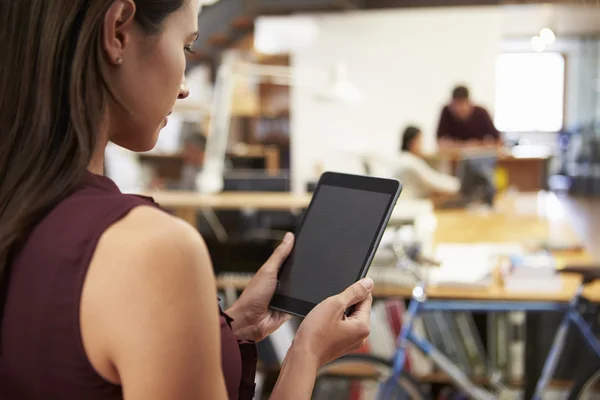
184, 92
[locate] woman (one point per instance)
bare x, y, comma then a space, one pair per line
418, 178
105, 296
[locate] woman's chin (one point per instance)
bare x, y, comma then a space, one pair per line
139, 146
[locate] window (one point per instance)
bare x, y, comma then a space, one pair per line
530, 92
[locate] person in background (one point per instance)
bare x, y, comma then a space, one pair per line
104, 295
462, 122
419, 179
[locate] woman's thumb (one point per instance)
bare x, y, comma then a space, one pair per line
281, 252
357, 292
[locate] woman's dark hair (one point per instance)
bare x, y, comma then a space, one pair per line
409, 135
53, 94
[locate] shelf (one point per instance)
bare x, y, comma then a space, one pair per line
191, 105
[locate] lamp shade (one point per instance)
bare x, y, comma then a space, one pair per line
339, 88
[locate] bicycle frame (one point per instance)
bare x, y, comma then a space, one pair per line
419, 303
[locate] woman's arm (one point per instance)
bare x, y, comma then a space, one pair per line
324, 335
424, 175
433, 180
297, 377
149, 313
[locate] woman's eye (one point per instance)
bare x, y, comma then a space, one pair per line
189, 50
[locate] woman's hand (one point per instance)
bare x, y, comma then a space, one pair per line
327, 334
252, 317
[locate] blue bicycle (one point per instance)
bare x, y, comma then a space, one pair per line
392, 382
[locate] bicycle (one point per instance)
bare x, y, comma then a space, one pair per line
393, 382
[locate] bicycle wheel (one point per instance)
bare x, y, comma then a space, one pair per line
371, 373
587, 388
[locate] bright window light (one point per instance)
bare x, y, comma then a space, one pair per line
530, 92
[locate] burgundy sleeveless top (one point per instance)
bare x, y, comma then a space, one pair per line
42, 354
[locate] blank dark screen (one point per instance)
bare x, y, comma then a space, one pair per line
333, 243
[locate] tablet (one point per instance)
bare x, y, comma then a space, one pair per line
336, 240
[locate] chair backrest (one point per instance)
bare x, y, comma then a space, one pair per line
476, 172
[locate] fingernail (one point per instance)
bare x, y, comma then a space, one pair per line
367, 283
287, 239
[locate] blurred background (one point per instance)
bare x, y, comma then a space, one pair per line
534, 67
487, 110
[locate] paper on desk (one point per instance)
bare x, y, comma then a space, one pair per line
468, 265
405, 235
410, 209
388, 238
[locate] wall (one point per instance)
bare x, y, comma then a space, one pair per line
405, 63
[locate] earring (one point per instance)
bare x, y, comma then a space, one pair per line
119, 61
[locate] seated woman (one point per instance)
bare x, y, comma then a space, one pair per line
420, 180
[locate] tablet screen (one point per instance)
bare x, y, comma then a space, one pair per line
334, 242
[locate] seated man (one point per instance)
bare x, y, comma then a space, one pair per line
420, 180
463, 122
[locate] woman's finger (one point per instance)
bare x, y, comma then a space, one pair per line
362, 310
280, 254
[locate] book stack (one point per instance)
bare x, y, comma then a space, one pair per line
536, 271
468, 266
457, 337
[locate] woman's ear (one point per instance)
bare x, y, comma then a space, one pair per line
117, 30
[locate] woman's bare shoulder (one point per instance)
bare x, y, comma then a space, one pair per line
152, 243
147, 232
149, 274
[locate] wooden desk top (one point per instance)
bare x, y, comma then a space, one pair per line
525, 218
517, 153
230, 200
522, 218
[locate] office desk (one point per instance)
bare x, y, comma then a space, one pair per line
186, 204
526, 219
526, 167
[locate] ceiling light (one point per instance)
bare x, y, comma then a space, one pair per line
339, 88
547, 36
537, 44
